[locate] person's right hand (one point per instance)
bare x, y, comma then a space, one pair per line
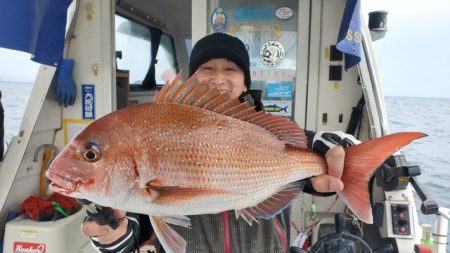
331, 180
331, 145
103, 233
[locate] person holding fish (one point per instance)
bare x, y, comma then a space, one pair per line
202, 166
222, 61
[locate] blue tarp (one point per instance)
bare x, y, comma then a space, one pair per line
34, 26
350, 37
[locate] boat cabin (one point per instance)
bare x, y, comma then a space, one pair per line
124, 51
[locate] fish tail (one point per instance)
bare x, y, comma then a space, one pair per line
361, 162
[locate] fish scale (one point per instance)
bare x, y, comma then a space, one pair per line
257, 170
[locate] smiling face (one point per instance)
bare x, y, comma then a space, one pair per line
223, 74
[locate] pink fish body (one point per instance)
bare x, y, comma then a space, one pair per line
195, 151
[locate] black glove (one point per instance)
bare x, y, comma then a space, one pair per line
324, 141
126, 243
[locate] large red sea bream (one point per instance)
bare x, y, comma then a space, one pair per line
196, 151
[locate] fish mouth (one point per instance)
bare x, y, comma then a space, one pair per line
62, 184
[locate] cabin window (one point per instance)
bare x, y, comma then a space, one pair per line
269, 30
167, 64
133, 52
188, 44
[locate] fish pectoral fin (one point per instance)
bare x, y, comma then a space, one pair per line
272, 206
169, 238
176, 194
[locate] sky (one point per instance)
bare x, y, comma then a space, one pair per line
412, 59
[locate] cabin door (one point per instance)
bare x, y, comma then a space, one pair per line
270, 30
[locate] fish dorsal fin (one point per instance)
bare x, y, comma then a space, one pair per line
198, 94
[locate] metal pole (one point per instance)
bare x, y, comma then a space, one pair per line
441, 230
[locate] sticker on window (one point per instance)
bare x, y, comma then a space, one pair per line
271, 53
88, 101
279, 90
284, 13
218, 20
282, 108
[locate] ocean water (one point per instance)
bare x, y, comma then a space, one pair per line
432, 153
14, 99
427, 115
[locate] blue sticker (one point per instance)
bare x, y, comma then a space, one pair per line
252, 14
218, 20
277, 107
279, 90
88, 101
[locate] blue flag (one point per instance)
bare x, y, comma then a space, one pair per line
350, 37
34, 26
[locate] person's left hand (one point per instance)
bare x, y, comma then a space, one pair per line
331, 144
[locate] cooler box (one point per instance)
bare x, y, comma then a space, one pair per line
63, 235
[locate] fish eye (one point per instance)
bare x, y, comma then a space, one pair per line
90, 152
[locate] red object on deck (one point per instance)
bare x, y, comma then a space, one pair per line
420, 248
36, 207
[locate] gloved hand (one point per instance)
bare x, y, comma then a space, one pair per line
324, 141
122, 239
331, 145
66, 90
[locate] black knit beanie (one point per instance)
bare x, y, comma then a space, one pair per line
220, 45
